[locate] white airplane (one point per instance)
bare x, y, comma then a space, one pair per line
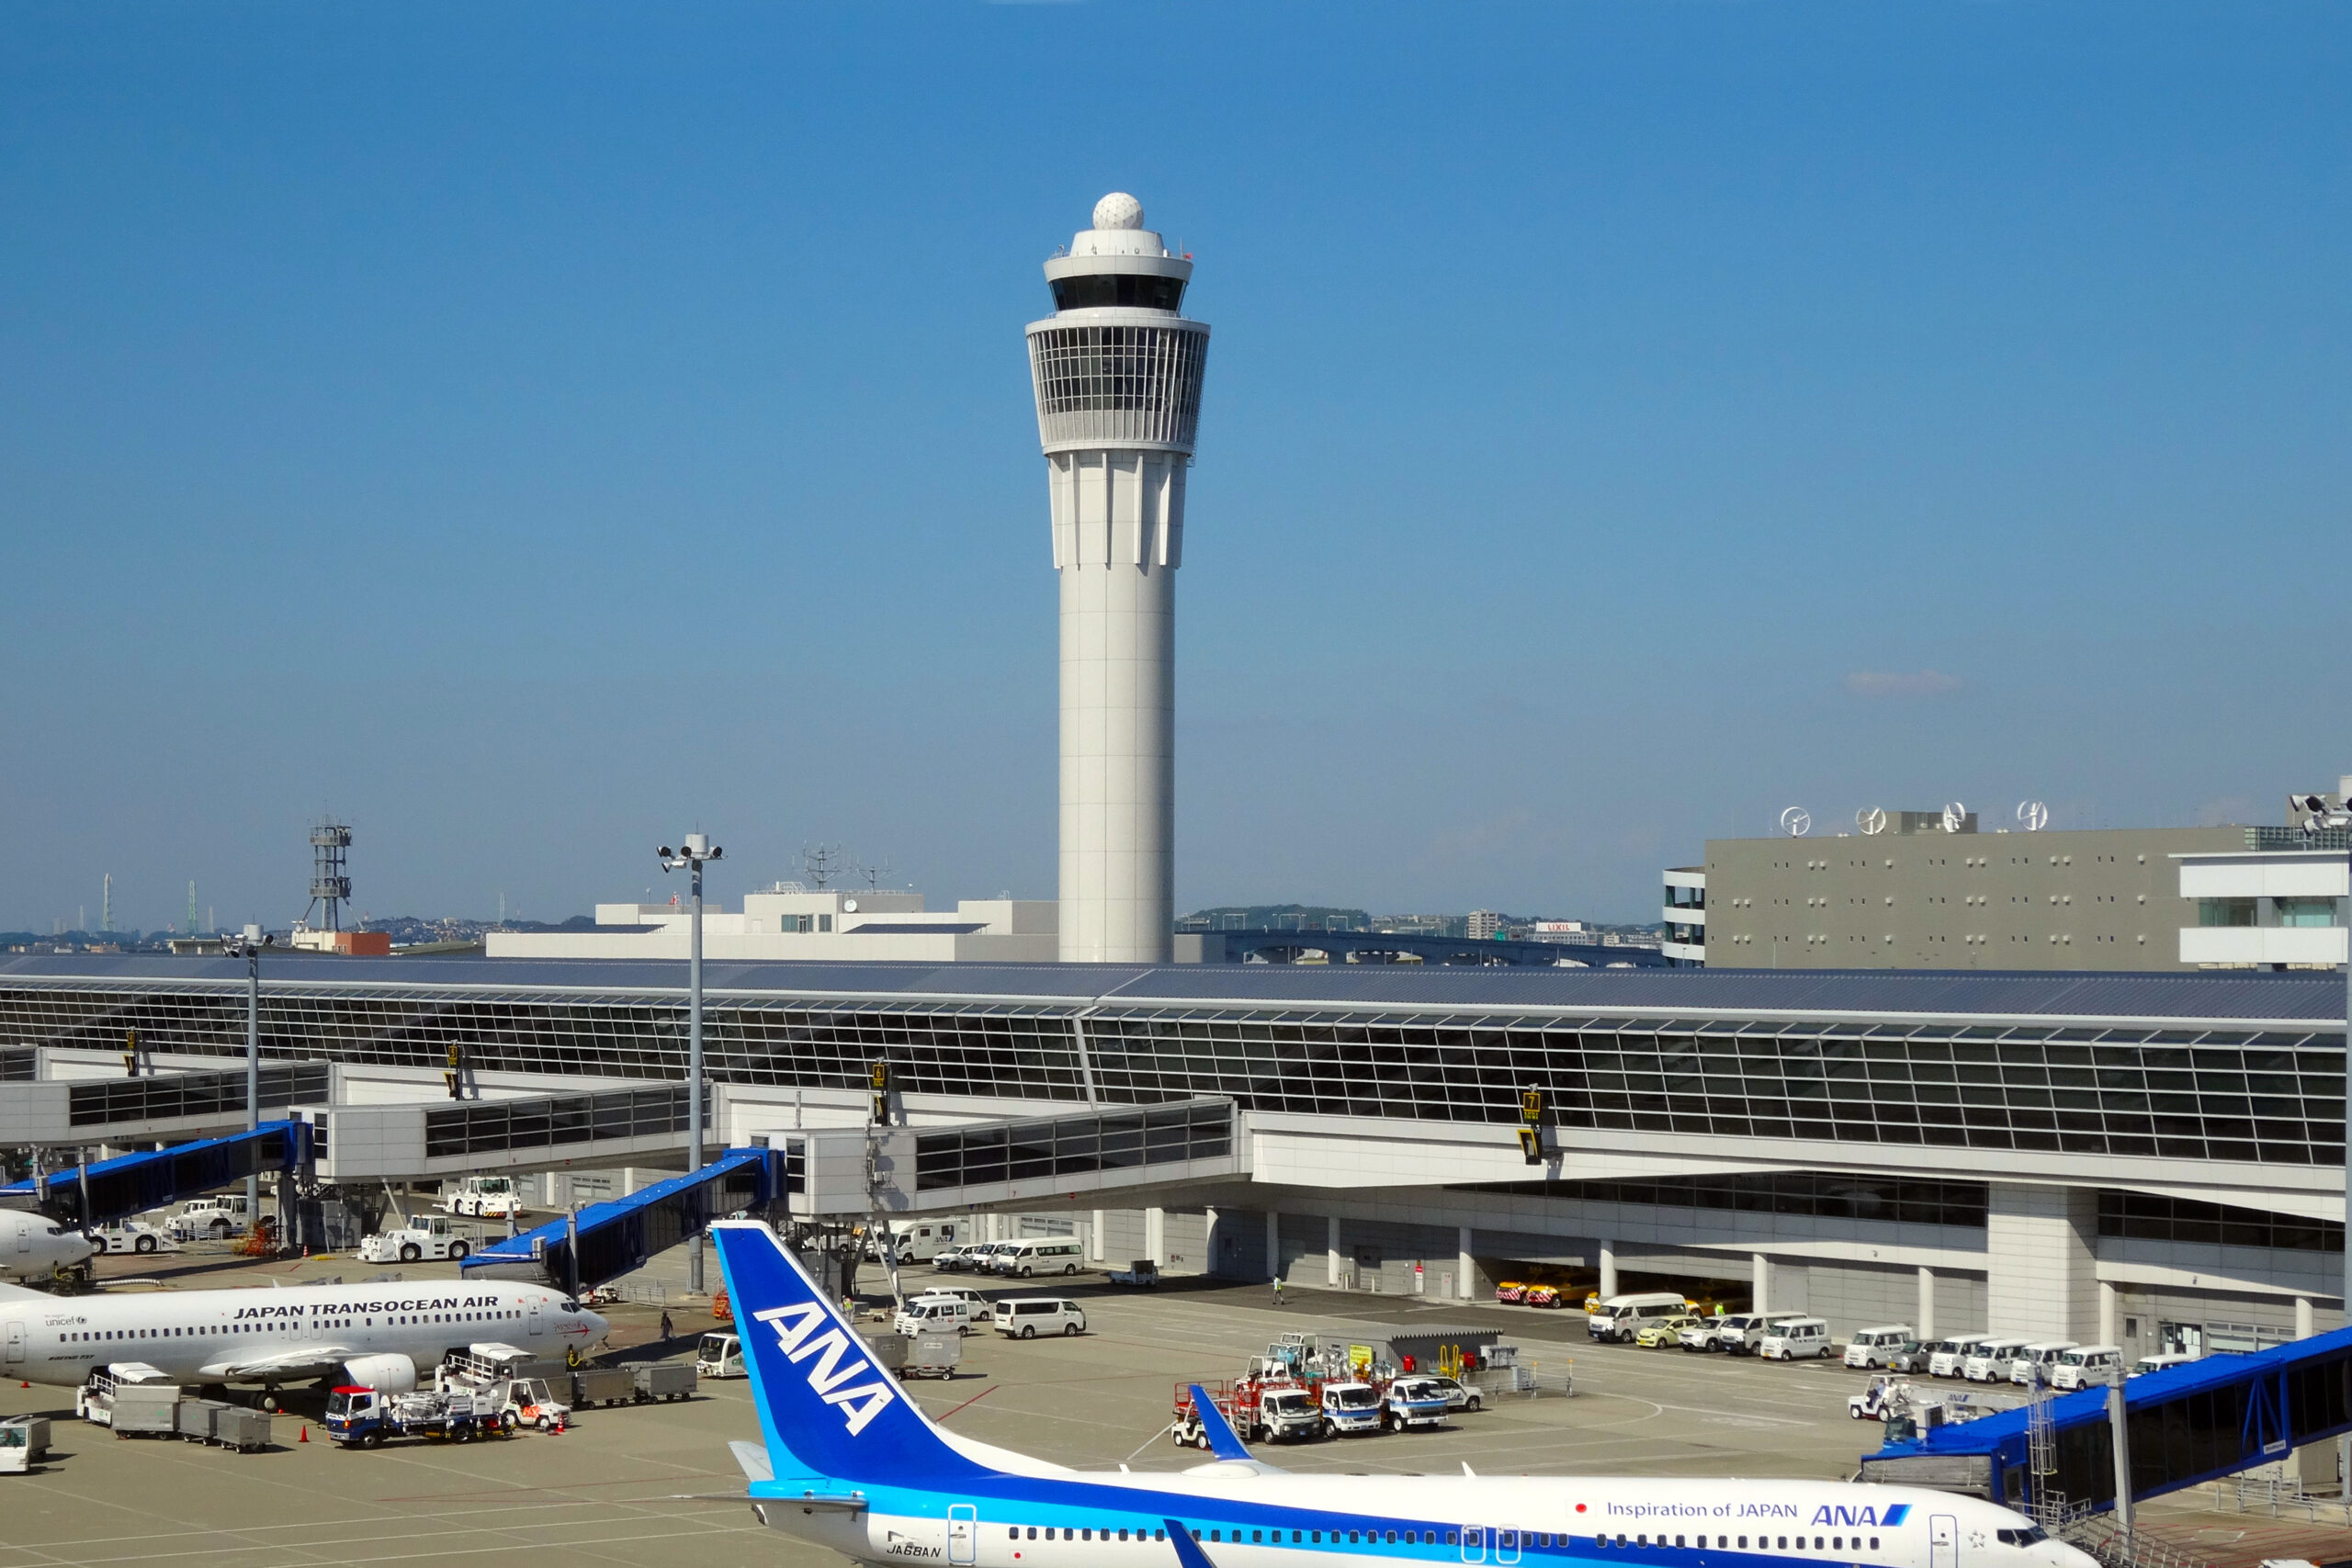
34, 1247
374, 1335
850, 1463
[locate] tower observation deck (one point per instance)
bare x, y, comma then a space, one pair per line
1117, 371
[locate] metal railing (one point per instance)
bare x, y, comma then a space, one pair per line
2278, 1495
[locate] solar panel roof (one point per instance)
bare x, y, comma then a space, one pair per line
2308, 999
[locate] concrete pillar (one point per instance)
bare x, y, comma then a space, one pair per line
1760, 1281
1212, 1242
1274, 1243
1155, 1235
1095, 1237
1927, 1324
2107, 1322
1466, 1269
2303, 1327
1331, 1251
629, 1179
2041, 1261
1608, 1269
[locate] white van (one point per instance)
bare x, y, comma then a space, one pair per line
2158, 1363
1872, 1348
933, 1311
1621, 1317
1742, 1332
1991, 1358
914, 1241
1796, 1340
1950, 1358
2042, 1356
2087, 1366
1029, 1316
1026, 1260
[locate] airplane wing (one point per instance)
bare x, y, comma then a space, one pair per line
753, 1459
282, 1366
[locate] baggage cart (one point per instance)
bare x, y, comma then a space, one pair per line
146, 1410
663, 1380
246, 1431
888, 1351
934, 1353
195, 1419
603, 1385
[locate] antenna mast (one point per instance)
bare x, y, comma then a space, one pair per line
329, 884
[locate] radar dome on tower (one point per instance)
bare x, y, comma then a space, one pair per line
1118, 210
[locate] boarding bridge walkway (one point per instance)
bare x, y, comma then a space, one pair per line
1098, 1151
152, 1107
604, 1241
430, 1139
87, 1196
2184, 1424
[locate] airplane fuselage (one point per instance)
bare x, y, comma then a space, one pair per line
34, 1247
237, 1336
1242, 1520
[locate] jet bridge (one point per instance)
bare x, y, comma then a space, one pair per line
2183, 1424
152, 1107
88, 1196
604, 1241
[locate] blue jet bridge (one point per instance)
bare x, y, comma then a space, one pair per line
617, 1238
2182, 1426
87, 1197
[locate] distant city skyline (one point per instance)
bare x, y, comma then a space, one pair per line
501, 430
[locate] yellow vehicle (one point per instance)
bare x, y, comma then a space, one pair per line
1592, 1303
1669, 1332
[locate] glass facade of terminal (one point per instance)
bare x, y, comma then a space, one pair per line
2228, 1095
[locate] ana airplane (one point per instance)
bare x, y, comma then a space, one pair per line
850, 1463
34, 1247
377, 1335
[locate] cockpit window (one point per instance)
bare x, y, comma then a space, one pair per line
2025, 1537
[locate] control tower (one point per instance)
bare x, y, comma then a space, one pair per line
1117, 371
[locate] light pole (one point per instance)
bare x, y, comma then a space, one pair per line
2320, 815
247, 945
694, 849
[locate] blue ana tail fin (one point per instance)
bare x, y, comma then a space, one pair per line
825, 1408
1224, 1442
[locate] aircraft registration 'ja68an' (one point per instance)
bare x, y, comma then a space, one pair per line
850, 1463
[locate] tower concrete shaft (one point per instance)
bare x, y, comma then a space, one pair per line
1118, 372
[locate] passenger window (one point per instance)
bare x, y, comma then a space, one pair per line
1392, 1537
1873, 1544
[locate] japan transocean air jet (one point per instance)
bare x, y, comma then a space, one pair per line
849, 1462
376, 1334
34, 1247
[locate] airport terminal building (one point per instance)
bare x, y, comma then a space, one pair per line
2154, 1160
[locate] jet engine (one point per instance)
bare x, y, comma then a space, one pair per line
387, 1373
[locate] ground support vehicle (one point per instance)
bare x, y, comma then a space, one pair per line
433, 1237
1276, 1409
1623, 1317
2158, 1363
925, 1312
1351, 1409
2038, 1361
658, 1380
719, 1356
1949, 1358
532, 1404
933, 1353
1701, 1337
1667, 1331
132, 1236
1872, 1403
145, 1410
1540, 1296
1510, 1293
1741, 1333
1893, 1397
982, 1308
951, 1260
1871, 1348
1025, 1318
1411, 1402
603, 1385
482, 1198
1992, 1360
1141, 1274
23, 1442
363, 1419
214, 1219
1457, 1396
1796, 1340
2087, 1366
237, 1426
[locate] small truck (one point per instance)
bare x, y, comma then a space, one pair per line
1414, 1402
432, 1237
364, 1418
1353, 1409
1141, 1274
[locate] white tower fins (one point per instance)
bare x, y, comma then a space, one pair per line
1117, 373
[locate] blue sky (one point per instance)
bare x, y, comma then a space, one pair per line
528, 432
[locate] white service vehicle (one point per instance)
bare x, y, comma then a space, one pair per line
34, 1247
1949, 1358
132, 1236
932, 1312
216, 1218
2087, 1366
1027, 1317
1993, 1358
1351, 1409
915, 1241
719, 1356
482, 1198
1871, 1348
2038, 1360
430, 1238
982, 1308
1743, 1332
1027, 1259
2159, 1362
1796, 1340
1621, 1317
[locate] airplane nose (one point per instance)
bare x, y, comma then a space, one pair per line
598, 1323
84, 1243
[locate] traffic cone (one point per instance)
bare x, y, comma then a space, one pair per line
306, 1433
